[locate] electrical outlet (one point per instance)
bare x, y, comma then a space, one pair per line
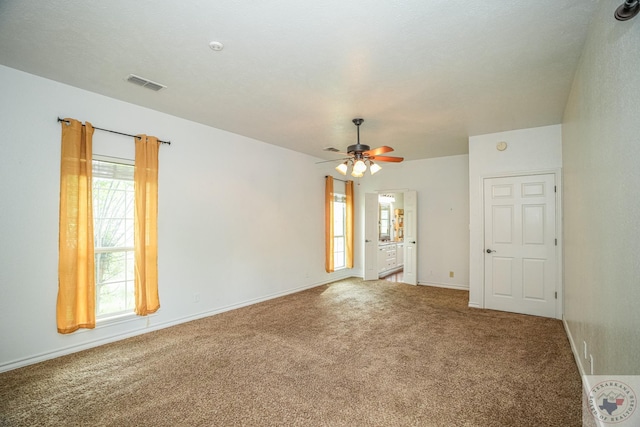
196, 297
451, 274
584, 343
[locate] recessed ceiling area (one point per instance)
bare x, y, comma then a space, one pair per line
425, 74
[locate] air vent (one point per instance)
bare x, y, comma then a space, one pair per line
141, 81
332, 149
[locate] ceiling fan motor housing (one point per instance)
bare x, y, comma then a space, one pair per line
357, 148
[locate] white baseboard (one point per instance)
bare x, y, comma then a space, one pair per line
587, 419
474, 305
574, 349
445, 285
30, 360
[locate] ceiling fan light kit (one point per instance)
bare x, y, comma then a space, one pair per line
359, 166
374, 168
343, 167
361, 155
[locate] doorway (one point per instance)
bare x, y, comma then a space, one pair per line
390, 236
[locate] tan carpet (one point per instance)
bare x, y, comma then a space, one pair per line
351, 353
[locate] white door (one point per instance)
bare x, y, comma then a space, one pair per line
410, 273
370, 236
520, 244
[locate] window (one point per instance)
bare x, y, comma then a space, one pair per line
113, 210
339, 230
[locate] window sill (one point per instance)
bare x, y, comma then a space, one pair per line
113, 320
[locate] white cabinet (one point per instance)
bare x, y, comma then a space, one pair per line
388, 260
382, 258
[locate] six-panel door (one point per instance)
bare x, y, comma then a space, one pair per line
520, 244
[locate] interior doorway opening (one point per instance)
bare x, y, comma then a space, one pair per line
390, 236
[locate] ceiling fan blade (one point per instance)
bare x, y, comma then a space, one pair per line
334, 160
386, 159
379, 150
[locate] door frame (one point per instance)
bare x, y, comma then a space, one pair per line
559, 233
370, 239
367, 258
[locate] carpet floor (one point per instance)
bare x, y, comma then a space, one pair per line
350, 353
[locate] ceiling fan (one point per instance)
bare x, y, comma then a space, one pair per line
360, 155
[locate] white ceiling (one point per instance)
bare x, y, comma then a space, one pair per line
424, 74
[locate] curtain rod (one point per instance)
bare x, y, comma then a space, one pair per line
326, 176
113, 131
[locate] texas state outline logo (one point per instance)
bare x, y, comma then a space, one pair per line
612, 401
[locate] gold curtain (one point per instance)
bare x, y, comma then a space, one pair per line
328, 222
75, 307
349, 224
145, 179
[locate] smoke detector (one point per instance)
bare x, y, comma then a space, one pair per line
214, 45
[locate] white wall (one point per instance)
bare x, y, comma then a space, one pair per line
601, 151
442, 186
534, 149
239, 220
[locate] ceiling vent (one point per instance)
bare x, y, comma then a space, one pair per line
332, 149
141, 81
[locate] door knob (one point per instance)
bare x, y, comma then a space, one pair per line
367, 241
414, 242
489, 251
